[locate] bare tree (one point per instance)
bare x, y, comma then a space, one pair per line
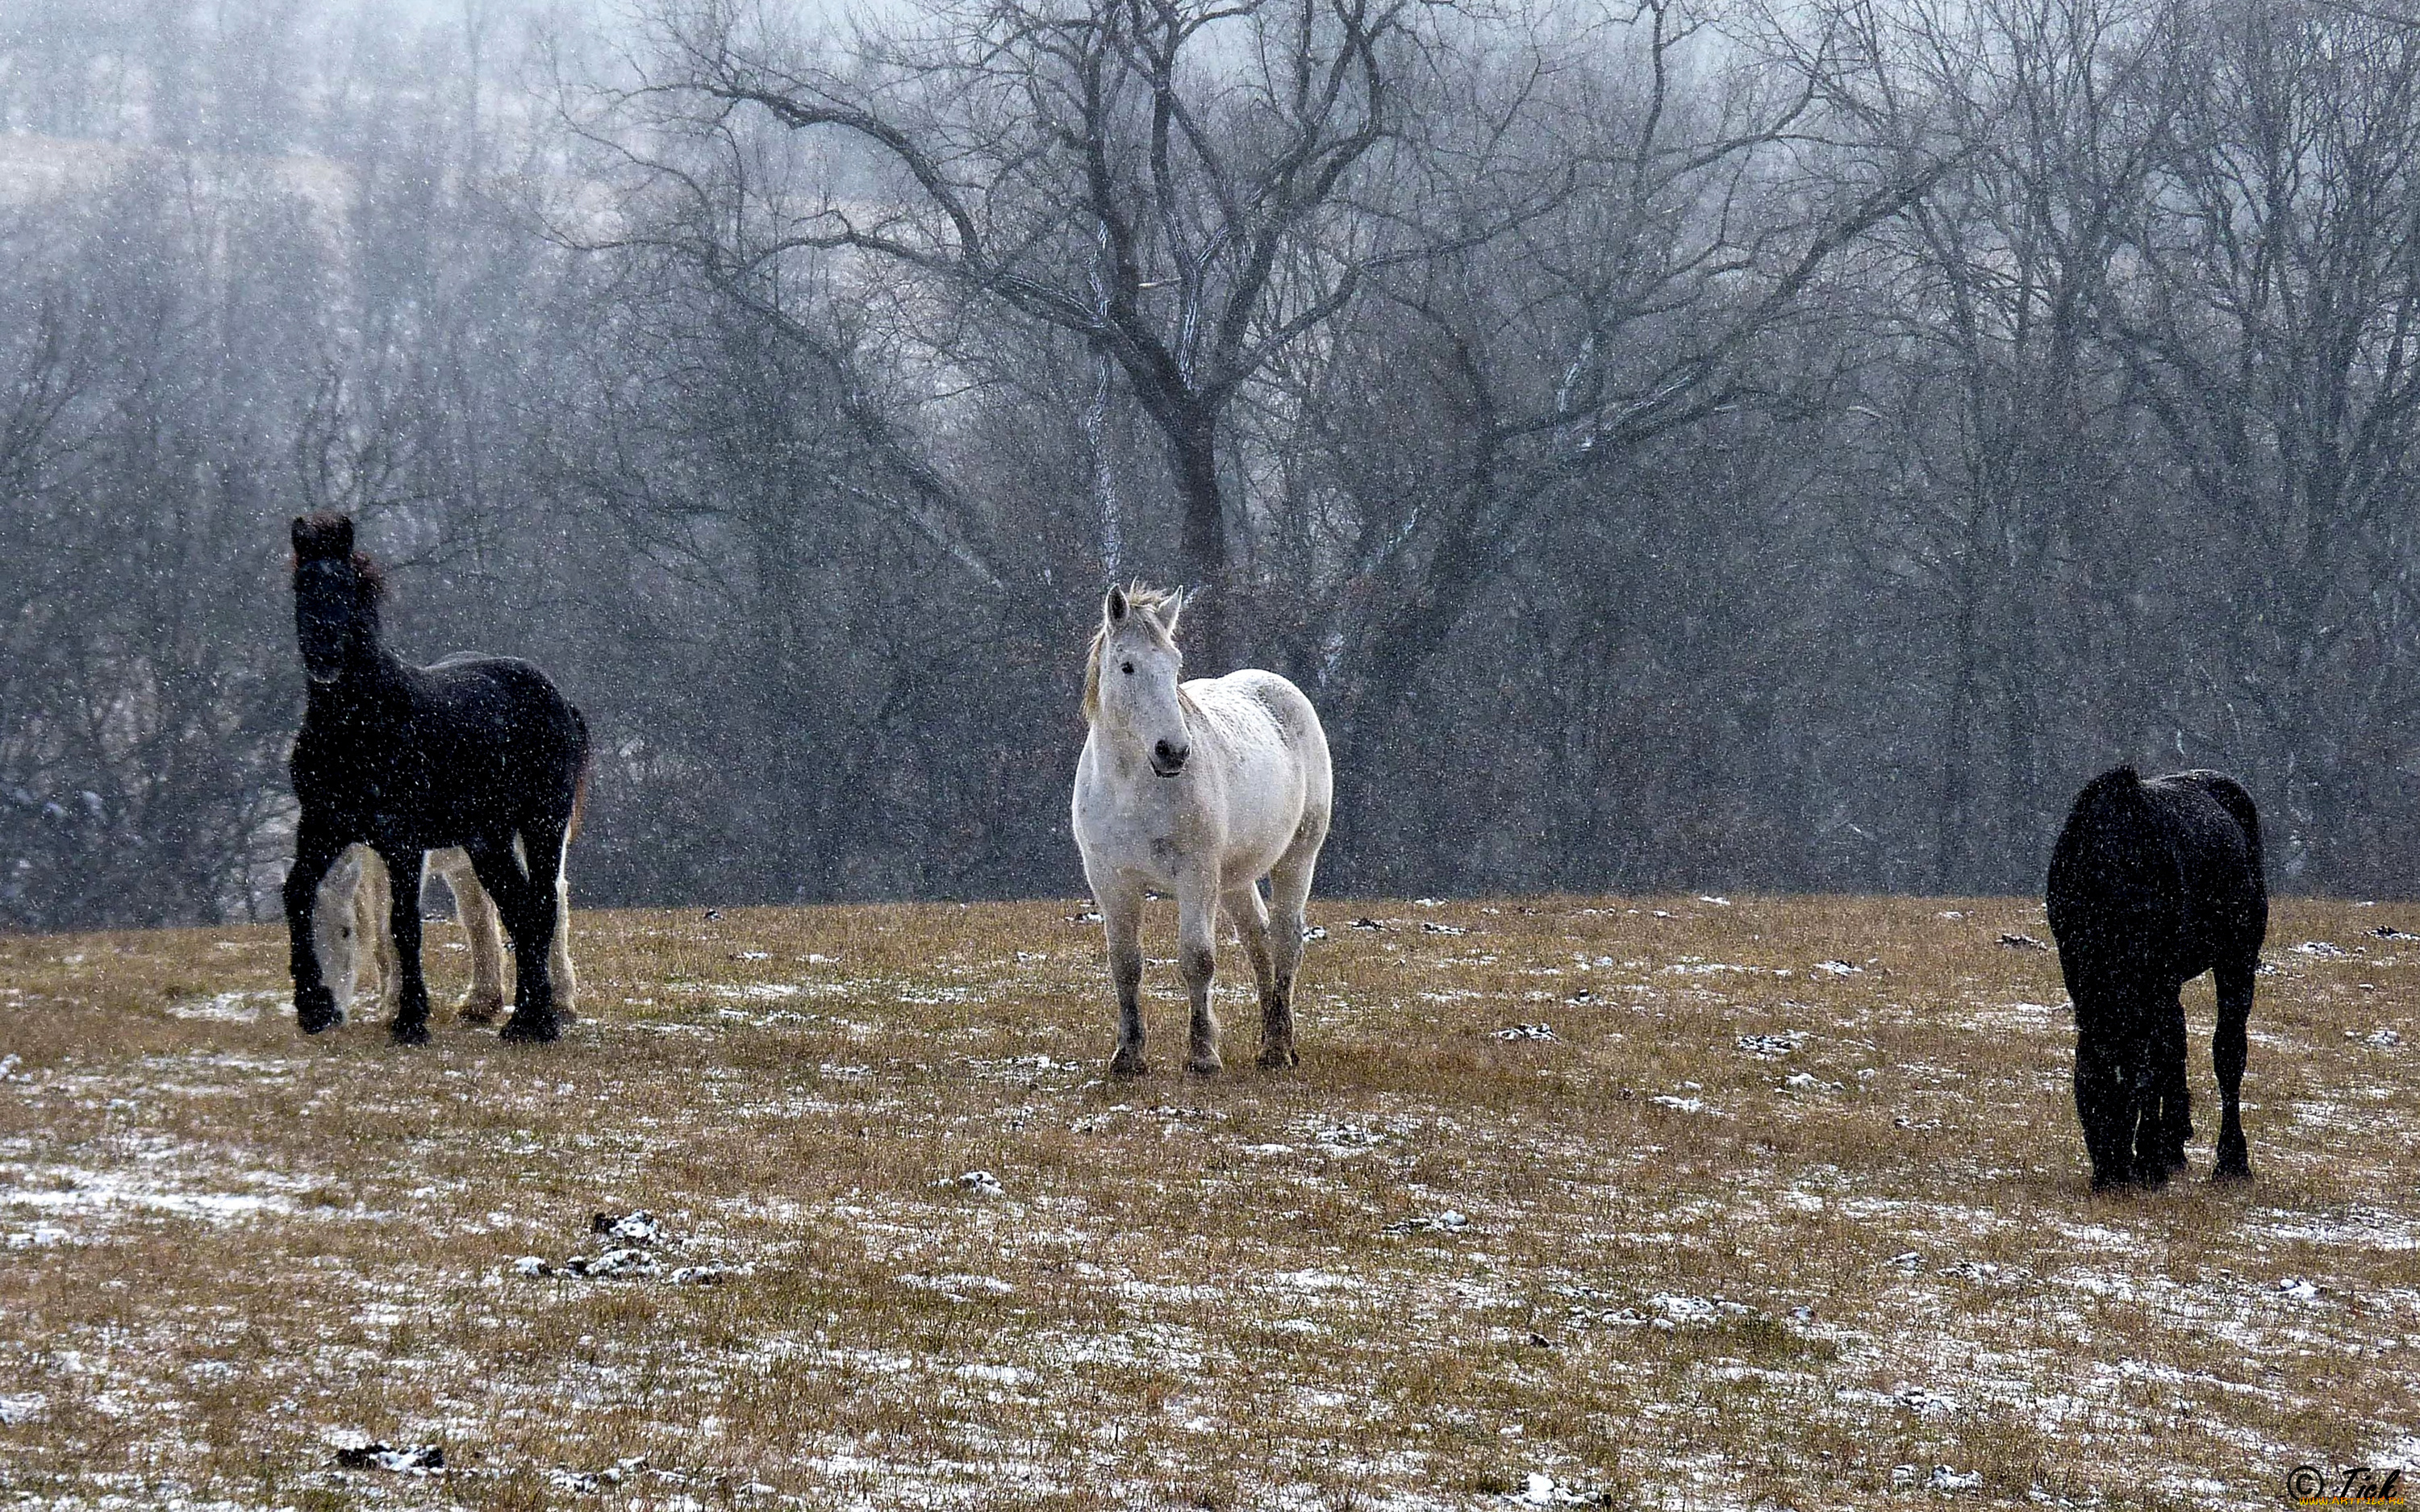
2274, 329
1163, 177
1687, 227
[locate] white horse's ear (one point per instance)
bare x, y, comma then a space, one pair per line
1116, 605
1174, 607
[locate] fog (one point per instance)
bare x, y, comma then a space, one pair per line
1731, 448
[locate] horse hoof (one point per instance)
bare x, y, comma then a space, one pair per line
2231, 1173
415, 1033
478, 1008
524, 1028
1127, 1063
315, 1010
1211, 1067
1277, 1057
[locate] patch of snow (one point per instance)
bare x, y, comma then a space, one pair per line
1449, 1222
958, 1286
1687, 1104
613, 1262
639, 1227
82, 1191
358, 1452
226, 1007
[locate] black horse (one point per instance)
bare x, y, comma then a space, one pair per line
475, 751
2151, 884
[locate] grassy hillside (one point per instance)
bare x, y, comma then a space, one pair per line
1721, 1226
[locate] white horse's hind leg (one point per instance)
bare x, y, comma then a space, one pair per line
484, 998
373, 902
1122, 922
1289, 891
1250, 916
336, 930
1197, 959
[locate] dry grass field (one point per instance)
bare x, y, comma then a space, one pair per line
1735, 1228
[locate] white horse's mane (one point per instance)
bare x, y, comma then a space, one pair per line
1159, 606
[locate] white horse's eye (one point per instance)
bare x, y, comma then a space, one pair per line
1127, 667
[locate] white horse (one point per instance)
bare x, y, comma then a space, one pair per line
357, 957
1199, 789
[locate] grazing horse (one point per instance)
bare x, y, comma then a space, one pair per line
1199, 789
2151, 884
357, 952
477, 751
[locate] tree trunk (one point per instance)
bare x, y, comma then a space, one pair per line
1215, 638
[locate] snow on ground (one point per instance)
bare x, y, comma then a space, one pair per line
837, 1207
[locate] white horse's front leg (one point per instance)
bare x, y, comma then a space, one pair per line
1122, 923
1197, 957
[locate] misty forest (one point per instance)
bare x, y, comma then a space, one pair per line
1782, 446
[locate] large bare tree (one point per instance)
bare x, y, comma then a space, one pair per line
1165, 178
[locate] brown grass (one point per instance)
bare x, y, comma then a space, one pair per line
228, 1244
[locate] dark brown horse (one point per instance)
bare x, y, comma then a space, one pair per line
477, 751
2151, 884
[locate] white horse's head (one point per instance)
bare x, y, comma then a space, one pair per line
1130, 682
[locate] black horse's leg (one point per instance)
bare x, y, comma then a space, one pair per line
2175, 1091
316, 849
2104, 1092
534, 1015
410, 1026
2226, 1054
517, 899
